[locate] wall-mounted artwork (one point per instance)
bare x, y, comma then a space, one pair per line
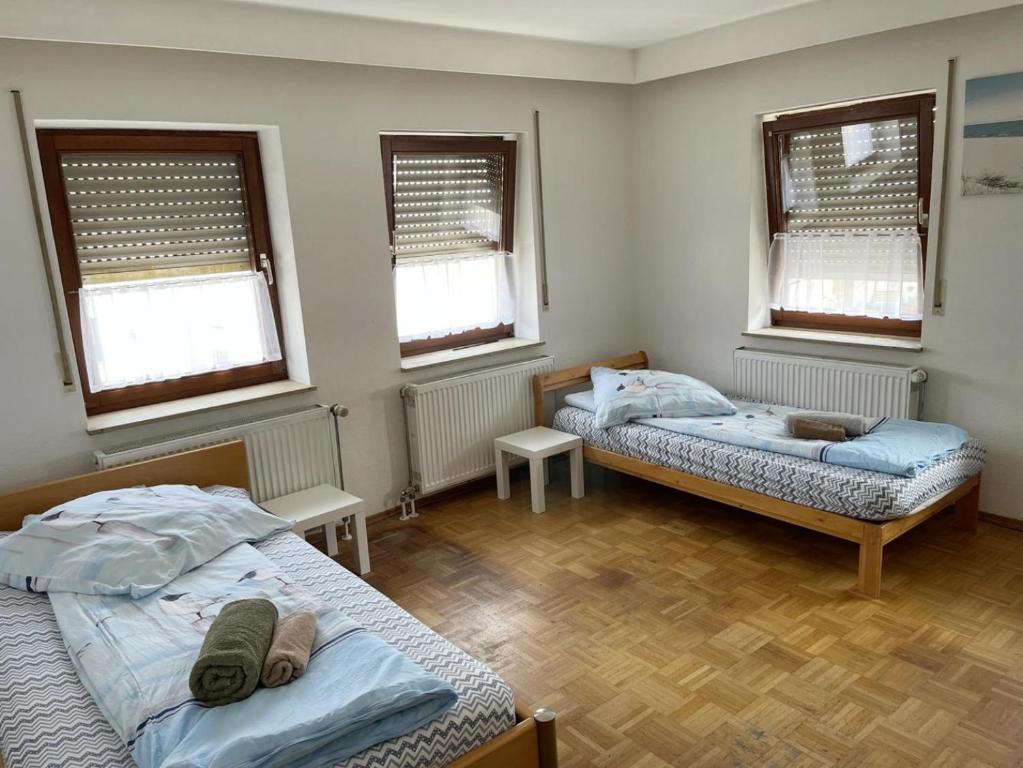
993, 136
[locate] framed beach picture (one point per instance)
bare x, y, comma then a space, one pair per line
993, 136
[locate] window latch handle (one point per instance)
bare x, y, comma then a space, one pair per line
922, 217
264, 263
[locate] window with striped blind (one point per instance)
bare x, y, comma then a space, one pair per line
163, 244
848, 194
450, 214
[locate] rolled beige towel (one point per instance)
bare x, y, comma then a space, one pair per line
289, 650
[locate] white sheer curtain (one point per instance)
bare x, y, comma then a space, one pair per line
877, 274
154, 330
451, 293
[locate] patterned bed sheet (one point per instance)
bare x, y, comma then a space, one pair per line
47, 718
852, 492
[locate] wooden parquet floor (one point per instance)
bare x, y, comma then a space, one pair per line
670, 631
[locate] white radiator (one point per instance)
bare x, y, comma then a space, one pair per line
287, 452
452, 422
822, 383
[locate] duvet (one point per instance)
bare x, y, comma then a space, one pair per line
134, 657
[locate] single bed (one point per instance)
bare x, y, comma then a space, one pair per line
868, 508
48, 718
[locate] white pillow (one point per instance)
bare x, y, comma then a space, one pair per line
582, 400
644, 394
130, 541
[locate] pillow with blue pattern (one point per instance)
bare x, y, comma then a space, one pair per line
129, 541
642, 394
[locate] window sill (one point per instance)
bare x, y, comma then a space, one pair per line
147, 414
430, 359
837, 337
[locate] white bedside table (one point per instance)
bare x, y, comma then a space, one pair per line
327, 506
537, 444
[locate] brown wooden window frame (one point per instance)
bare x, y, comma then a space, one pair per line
54, 141
920, 106
426, 145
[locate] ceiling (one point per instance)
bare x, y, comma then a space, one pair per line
604, 22
606, 41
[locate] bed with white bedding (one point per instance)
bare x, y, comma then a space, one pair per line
858, 493
48, 718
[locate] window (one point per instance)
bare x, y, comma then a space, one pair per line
848, 193
163, 244
450, 214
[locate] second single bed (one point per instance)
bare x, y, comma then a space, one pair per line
856, 493
868, 508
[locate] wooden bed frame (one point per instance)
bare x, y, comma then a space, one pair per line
870, 536
530, 743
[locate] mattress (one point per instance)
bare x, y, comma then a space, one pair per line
48, 719
855, 493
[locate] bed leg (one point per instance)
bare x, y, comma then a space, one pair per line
871, 552
538, 401
546, 738
966, 510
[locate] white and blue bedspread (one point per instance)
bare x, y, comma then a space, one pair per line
134, 657
47, 717
859, 493
894, 446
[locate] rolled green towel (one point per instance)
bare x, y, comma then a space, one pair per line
233, 652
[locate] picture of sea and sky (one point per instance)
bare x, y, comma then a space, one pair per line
993, 136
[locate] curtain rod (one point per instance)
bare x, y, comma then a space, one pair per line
65, 361
541, 240
841, 233
938, 298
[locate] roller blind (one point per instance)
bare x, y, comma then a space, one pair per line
156, 214
447, 203
857, 177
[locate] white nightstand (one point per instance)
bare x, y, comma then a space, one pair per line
327, 506
537, 444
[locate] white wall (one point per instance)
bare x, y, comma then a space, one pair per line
679, 237
329, 117
697, 178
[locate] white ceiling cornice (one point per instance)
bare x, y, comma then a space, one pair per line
268, 30
789, 29
265, 30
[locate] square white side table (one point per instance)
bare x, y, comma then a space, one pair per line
537, 444
327, 506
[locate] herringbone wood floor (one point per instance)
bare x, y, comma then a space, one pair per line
670, 631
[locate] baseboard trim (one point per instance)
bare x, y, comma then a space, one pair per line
1005, 522
463, 489
466, 488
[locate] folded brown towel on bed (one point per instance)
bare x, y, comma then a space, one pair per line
853, 423
233, 651
811, 429
289, 652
